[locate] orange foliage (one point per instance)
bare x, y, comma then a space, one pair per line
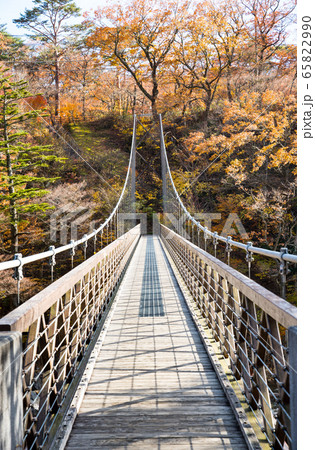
37, 102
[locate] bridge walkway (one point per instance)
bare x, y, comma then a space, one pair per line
153, 386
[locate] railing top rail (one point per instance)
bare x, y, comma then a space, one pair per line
73, 244
281, 256
23, 316
276, 307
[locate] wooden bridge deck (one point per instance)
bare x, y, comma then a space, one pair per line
153, 386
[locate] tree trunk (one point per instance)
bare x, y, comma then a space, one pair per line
134, 100
154, 110
155, 93
83, 104
119, 95
208, 101
84, 101
12, 209
228, 85
57, 87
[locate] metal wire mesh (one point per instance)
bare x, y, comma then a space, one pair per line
58, 325
249, 324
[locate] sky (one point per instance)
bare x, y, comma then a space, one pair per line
11, 9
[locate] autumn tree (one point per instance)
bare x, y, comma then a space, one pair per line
139, 38
229, 22
11, 48
266, 26
81, 68
206, 48
20, 159
47, 22
116, 92
251, 159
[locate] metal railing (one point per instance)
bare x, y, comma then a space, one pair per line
185, 222
109, 227
57, 326
249, 324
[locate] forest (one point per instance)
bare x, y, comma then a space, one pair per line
221, 73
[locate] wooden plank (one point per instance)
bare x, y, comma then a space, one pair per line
153, 384
164, 443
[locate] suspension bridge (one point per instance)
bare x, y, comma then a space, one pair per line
152, 342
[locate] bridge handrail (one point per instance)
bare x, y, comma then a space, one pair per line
276, 307
58, 324
281, 256
21, 261
247, 324
24, 315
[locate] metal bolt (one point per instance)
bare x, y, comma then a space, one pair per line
52, 258
72, 249
18, 271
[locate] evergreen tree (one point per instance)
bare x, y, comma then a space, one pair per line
48, 23
11, 47
20, 161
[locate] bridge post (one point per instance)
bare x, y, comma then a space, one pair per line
292, 341
11, 396
156, 229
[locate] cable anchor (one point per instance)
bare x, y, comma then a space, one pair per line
205, 235
52, 261
18, 273
72, 252
215, 242
249, 257
283, 271
228, 248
